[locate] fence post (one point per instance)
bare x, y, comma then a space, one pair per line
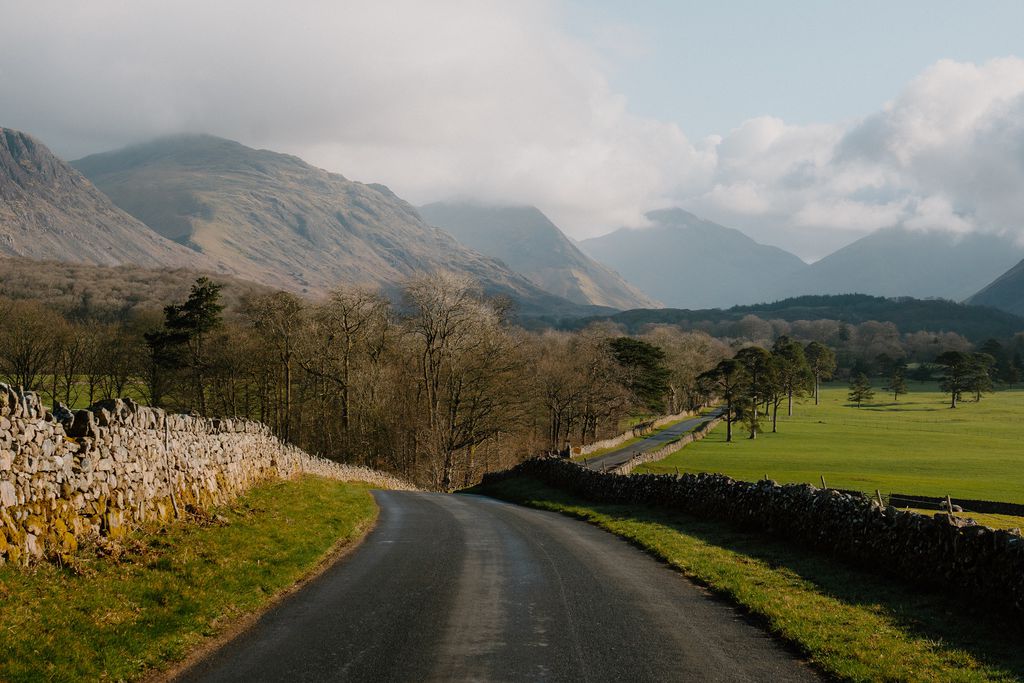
823, 484
879, 494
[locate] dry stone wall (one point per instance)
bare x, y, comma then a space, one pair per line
67, 474
943, 551
697, 434
638, 430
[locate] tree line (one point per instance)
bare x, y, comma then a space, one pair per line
439, 386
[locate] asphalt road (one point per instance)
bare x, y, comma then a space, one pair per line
468, 588
613, 459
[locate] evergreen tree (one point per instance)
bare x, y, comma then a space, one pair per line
860, 389
646, 374
956, 366
792, 371
822, 362
896, 383
726, 380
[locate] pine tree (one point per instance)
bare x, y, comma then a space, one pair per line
897, 384
860, 389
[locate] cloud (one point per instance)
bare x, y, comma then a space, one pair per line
492, 100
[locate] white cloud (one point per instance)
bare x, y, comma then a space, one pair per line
490, 99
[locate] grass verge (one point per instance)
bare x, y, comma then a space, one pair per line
851, 625
121, 611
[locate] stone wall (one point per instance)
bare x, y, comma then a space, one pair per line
64, 475
943, 551
638, 430
668, 449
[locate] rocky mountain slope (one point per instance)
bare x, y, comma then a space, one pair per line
687, 262
1005, 293
528, 242
279, 221
49, 211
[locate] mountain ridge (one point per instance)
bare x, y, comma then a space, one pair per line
526, 240
287, 224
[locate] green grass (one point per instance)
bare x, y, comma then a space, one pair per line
121, 611
849, 624
917, 445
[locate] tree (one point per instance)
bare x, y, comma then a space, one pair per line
897, 383
922, 373
792, 371
822, 362
757, 365
727, 381
956, 378
280, 318
645, 374
29, 333
466, 364
181, 344
860, 389
980, 374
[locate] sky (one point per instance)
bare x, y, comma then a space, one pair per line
805, 124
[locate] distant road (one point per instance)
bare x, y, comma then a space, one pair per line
615, 458
453, 588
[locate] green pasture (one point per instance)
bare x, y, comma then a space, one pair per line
916, 445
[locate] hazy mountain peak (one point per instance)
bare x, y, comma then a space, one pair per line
530, 244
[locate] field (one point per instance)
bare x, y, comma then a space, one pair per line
917, 445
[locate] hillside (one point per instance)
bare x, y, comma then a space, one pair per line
289, 225
901, 262
909, 315
525, 240
109, 292
686, 261
1005, 293
50, 211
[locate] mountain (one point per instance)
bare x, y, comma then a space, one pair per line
689, 262
530, 244
49, 211
286, 224
1005, 293
901, 262
976, 323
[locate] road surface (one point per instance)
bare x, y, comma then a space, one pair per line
459, 587
613, 459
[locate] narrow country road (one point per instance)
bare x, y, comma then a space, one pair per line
603, 463
459, 587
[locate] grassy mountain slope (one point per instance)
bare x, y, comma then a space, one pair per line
525, 240
686, 261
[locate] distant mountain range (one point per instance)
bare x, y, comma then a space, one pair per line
49, 211
1005, 293
692, 263
689, 262
207, 204
529, 243
901, 262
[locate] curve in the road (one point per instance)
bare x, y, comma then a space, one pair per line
469, 588
613, 459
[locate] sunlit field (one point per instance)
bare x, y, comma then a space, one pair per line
916, 445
